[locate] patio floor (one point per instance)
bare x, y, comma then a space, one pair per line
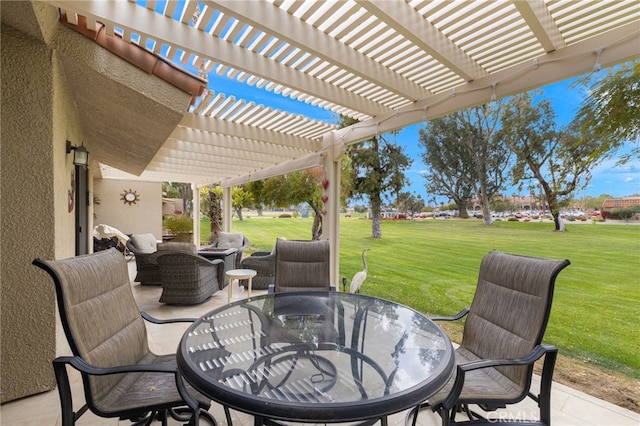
569, 407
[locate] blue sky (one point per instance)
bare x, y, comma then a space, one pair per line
608, 177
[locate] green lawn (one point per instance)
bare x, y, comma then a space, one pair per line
432, 266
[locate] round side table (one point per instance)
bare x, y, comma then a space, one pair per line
239, 274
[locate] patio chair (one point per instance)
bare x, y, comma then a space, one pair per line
189, 279
146, 249
264, 263
302, 265
235, 240
108, 338
502, 339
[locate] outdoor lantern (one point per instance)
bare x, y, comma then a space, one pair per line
80, 154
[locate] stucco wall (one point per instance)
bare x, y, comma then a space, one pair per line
28, 227
142, 217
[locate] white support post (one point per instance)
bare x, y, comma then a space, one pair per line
226, 209
196, 214
331, 225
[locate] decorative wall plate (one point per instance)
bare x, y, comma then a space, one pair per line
130, 197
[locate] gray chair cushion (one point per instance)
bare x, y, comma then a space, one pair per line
145, 243
230, 240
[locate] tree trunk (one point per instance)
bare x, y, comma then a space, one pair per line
316, 226
559, 223
486, 211
239, 213
215, 216
376, 228
555, 209
462, 208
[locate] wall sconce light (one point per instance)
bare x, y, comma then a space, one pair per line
80, 154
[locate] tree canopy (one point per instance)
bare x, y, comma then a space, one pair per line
611, 112
560, 160
466, 157
377, 170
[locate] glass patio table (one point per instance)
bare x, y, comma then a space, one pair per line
316, 357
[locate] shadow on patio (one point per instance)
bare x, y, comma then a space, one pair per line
569, 407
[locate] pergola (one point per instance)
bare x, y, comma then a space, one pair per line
386, 63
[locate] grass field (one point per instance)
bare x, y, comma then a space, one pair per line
432, 266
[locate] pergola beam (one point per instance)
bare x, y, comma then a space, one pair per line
275, 21
616, 46
404, 19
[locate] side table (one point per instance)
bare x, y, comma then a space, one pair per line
239, 274
228, 255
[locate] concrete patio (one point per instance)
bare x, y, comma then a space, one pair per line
569, 407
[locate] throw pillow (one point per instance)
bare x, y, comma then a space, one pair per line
230, 240
145, 243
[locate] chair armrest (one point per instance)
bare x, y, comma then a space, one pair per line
528, 359
81, 365
211, 262
155, 320
456, 317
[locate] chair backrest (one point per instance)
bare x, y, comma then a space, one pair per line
181, 266
302, 265
99, 314
188, 278
510, 309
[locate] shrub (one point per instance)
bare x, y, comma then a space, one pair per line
621, 213
285, 215
178, 224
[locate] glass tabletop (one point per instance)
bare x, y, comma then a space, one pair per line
316, 356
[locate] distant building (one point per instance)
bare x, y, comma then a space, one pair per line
612, 203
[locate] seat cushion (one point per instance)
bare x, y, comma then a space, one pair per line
145, 243
228, 240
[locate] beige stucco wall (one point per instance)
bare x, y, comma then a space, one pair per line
142, 217
36, 121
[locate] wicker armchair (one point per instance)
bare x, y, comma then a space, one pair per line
188, 278
502, 339
264, 263
146, 250
108, 338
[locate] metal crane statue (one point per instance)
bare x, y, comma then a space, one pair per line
359, 277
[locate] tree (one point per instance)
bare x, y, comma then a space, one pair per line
560, 160
295, 188
377, 171
448, 165
409, 203
211, 205
611, 112
256, 190
465, 157
240, 198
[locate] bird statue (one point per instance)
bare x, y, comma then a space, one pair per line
359, 277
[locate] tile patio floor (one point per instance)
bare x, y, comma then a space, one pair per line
569, 407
